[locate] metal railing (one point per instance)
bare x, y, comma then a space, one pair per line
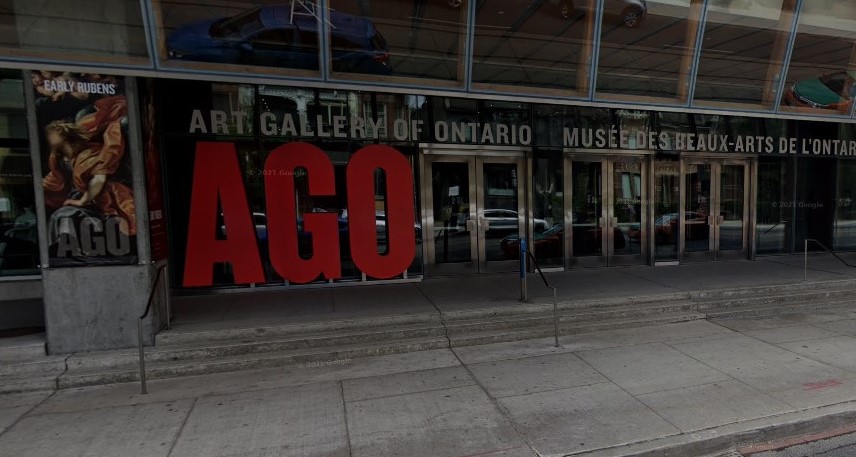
524, 287
828, 251
161, 273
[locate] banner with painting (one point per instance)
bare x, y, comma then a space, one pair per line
90, 210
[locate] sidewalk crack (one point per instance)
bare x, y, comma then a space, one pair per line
517, 428
183, 425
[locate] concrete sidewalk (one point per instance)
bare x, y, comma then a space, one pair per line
229, 310
680, 389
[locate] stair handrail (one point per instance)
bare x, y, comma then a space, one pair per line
828, 251
534, 261
154, 288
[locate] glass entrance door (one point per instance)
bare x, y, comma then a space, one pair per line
607, 211
715, 209
474, 213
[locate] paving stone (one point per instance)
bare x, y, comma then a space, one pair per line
764, 366
8, 416
23, 399
839, 351
788, 334
223, 383
452, 422
125, 431
302, 421
509, 350
405, 383
504, 378
649, 368
817, 394
578, 419
699, 407
844, 327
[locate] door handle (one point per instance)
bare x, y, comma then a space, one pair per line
484, 224
720, 219
471, 225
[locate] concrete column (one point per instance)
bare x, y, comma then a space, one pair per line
92, 308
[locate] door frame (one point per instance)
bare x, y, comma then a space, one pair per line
716, 162
607, 218
475, 157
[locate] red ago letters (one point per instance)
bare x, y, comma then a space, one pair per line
399, 211
217, 177
323, 228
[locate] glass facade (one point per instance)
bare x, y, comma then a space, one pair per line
537, 44
742, 51
772, 56
19, 245
646, 58
820, 77
89, 31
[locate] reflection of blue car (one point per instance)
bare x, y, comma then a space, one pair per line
270, 36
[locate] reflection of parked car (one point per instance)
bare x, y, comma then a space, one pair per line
269, 36
546, 244
380, 225
666, 227
587, 241
506, 220
832, 91
627, 12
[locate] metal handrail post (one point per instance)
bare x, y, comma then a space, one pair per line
555, 317
143, 389
166, 297
524, 289
140, 318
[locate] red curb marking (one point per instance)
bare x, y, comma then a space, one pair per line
822, 384
790, 442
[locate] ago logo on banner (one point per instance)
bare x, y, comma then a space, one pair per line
220, 189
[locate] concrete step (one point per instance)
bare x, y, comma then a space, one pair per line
22, 347
11, 384
782, 297
47, 365
321, 356
569, 328
309, 357
777, 309
219, 347
778, 289
274, 340
193, 334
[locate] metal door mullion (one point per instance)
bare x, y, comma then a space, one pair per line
608, 191
747, 195
523, 219
716, 206
682, 197
647, 199
477, 251
426, 166
568, 188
